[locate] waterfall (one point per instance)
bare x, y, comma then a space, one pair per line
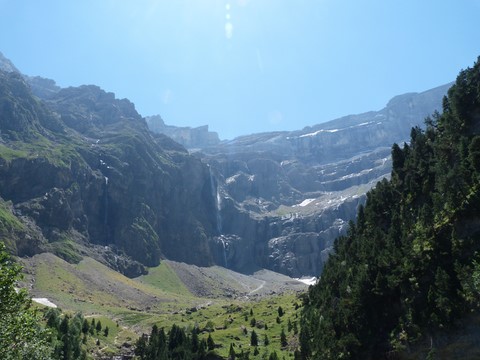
218, 200
105, 202
224, 253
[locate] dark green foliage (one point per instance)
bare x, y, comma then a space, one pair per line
280, 311
266, 341
98, 327
68, 335
273, 356
283, 338
210, 343
231, 353
404, 269
177, 345
21, 337
85, 326
254, 338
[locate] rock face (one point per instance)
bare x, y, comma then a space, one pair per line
285, 196
80, 173
191, 138
82, 167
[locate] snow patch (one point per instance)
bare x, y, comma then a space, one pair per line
304, 202
307, 280
45, 302
318, 132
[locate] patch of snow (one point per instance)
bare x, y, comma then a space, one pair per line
307, 280
231, 179
304, 202
45, 302
318, 132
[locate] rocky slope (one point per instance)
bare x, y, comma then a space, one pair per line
80, 173
283, 197
191, 138
82, 168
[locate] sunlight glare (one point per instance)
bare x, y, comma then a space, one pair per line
228, 30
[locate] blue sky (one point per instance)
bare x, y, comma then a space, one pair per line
244, 66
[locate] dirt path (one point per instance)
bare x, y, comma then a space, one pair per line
258, 288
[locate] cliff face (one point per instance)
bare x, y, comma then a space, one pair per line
285, 196
81, 173
82, 167
191, 138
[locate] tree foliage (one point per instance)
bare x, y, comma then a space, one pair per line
178, 344
404, 269
21, 336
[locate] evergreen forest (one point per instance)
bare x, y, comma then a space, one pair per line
408, 270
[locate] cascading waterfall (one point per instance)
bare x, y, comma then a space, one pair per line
224, 253
105, 202
215, 190
218, 200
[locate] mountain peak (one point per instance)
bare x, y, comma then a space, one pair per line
7, 65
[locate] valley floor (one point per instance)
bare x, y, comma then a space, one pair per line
219, 301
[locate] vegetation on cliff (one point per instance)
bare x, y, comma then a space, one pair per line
409, 267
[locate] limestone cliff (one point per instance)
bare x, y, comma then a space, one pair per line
83, 168
285, 196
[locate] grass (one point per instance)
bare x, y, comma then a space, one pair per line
233, 324
161, 298
60, 154
8, 221
8, 154
164, 278
66, 250
110, 344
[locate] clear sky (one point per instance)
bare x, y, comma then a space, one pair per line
244, 66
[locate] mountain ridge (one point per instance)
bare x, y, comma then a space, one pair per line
271, 200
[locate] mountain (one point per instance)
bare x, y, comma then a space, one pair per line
191, 138
82, 175
403, 281
283, 197
6, 65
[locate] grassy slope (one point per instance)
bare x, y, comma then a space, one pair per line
161, 298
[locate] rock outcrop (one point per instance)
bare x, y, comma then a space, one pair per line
285, 196
81, 174
83, 167
191, 138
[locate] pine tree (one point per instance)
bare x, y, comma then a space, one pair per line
210, 343
266, 341
98, 327
231, 353
253, 339
283, 338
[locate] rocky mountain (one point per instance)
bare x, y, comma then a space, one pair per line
191, 138
283, 197
6, 64
81, 174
